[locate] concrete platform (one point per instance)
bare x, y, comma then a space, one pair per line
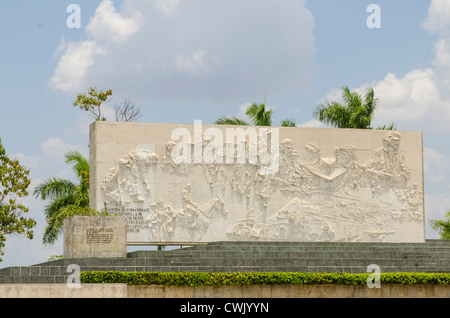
53, 291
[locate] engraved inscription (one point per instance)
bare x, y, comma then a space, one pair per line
99, 235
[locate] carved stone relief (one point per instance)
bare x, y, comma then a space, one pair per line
311, 197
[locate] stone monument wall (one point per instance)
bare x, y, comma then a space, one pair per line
192, 183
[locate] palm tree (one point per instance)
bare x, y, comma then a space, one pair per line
357, 112
442, 226
66, 198
258, 116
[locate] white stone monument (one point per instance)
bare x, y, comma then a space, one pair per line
193, 183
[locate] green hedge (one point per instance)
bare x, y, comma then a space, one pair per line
255, 278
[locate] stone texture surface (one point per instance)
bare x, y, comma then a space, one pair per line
228, 292
179, 184
95, 236
63, 291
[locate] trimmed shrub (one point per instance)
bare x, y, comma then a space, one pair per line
195, 279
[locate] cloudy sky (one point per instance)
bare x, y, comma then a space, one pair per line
182, 60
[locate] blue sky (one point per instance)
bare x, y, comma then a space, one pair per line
182, 60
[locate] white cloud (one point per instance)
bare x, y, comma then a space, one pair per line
108, 25
413, 98
166, 6
413, 101
420, 99
242, 110
193, 64
438, 19
436, 167
442, 47
313, 123
194, 49
442, 67
29, 162
61, 48
56, 148
70, 73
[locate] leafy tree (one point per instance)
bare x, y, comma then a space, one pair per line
357, 112
66, 198
442, 226
13, 184
92, 102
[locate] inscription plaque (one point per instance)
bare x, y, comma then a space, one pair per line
95, 236
99, 235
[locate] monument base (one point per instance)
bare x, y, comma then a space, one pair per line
432, 256
95, 237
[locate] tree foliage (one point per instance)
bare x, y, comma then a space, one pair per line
442, 226
356, 112
13, 185
66, 197
288, 123
258, 114
92, 102
229, 120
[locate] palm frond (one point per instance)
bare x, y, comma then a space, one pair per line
333, 114
228, 120
356, 112
390, 127
81, 195
54, 188
442, 226
52, 230
288, 122
57, 204
66, 197
370, 102
259, 115
79, 165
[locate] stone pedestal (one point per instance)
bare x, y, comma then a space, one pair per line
95, 237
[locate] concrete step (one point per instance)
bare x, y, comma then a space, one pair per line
49, 279
431, 256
